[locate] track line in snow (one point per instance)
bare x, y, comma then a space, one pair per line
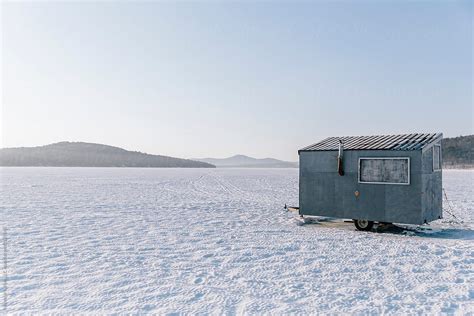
217, 242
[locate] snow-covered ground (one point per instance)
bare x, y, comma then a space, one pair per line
217, 241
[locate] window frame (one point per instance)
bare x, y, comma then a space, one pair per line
439, 158
384, 158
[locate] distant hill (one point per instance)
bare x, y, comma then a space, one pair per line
241, 161
78, 154
458, 152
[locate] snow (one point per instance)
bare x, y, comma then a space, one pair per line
217, 241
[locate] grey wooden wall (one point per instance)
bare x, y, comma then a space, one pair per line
323, 192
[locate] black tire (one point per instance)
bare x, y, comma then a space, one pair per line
363, 224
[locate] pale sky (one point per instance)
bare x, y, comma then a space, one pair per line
214, 79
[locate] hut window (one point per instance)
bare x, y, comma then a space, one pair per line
381, 170
436, 157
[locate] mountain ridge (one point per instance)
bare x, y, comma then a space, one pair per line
458, 152
243, 161
83, 154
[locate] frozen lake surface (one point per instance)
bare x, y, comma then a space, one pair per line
217, 241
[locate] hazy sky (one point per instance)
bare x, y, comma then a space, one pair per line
202, 79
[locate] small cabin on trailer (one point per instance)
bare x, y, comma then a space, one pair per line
385, 178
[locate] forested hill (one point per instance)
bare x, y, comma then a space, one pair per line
79, 154
458, 152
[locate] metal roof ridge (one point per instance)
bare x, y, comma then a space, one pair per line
411, 141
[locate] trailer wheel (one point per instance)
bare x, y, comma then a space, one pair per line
363, 224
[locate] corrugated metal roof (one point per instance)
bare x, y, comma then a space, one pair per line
378, 142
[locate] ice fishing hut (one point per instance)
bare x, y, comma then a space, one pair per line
384, 178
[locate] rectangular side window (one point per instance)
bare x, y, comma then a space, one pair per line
436, 157
389, 170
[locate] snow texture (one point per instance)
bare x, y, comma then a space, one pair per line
217, 241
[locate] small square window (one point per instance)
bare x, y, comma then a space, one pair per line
384, 170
